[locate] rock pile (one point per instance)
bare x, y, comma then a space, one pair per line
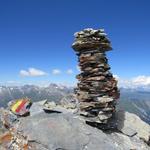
97, 88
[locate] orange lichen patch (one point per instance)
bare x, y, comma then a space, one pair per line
6, 138
25, 147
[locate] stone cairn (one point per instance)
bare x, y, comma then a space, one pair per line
96, 90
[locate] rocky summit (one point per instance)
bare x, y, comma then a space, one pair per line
86, 120
59, 127
97, 88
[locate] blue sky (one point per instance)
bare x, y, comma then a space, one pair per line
37, 34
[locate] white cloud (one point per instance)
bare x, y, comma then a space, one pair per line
24, 73
135, 82
32, 72
56, 71
141, 80
69, 71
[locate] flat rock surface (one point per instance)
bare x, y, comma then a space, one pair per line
58, 131
130, 124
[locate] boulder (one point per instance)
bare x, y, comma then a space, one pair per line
69, 132
130, 124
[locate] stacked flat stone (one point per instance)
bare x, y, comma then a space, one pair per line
97, 89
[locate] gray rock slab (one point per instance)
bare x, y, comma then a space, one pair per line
68, 132
36, 108
54, 131
124, 142
130, 124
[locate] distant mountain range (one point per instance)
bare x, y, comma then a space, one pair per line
136, 101
133, 100
53, 92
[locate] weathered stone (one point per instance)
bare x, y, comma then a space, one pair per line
57, 131
69, 102
104, 99
96, 88
68, 131
92, 105
104, 116
130, 124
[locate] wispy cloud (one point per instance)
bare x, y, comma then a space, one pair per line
56, 71
32, 72
139, 81
69, 71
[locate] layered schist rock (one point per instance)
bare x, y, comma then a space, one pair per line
57, 127
97, 89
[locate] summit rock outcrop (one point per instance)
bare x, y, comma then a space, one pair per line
55, 127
